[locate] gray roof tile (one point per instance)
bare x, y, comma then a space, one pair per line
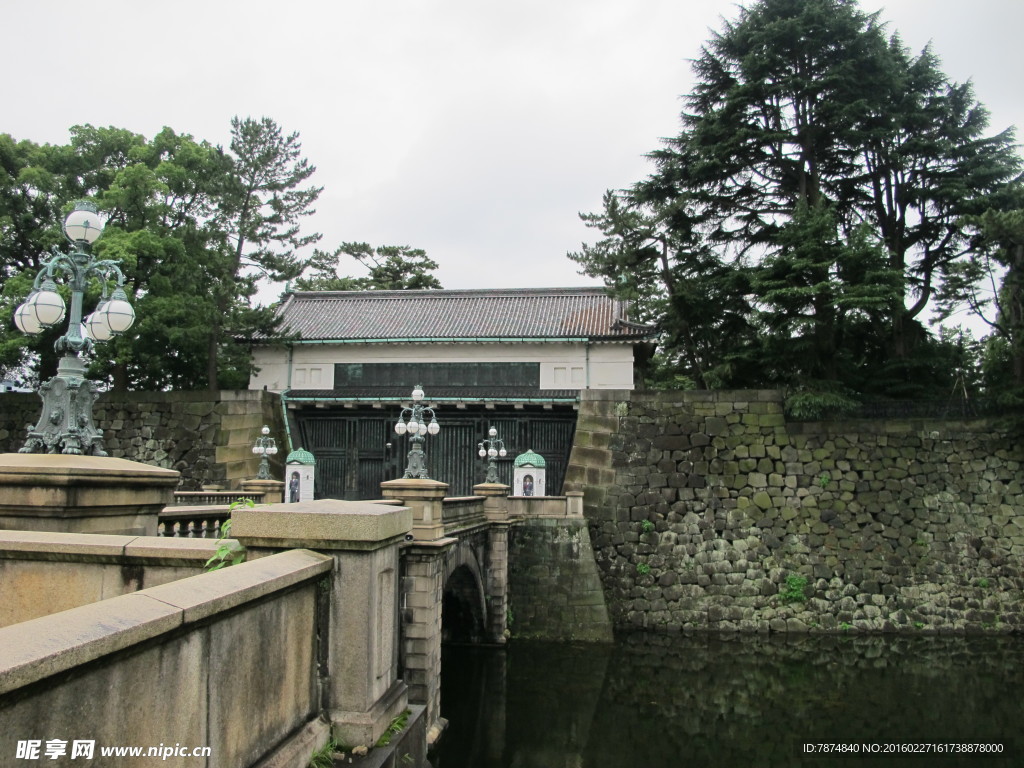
521, 313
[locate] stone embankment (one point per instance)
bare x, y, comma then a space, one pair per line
712, 512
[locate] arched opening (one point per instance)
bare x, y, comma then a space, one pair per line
462, 609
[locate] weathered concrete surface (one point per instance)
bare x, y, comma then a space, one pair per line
177, 664
82, 494
43, 572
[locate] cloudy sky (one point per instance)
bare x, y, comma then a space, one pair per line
476, 130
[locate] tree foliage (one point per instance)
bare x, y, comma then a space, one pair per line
194, 228
825, 184
389, 268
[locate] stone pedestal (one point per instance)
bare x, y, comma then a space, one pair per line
272, 490
82, 494
495, 498
426, 500
363, 692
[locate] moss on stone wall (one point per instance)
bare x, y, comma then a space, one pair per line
720, 515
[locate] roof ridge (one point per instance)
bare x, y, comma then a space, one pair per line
452, 292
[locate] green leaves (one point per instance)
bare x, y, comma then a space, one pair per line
824, 185
390, 268
192, 227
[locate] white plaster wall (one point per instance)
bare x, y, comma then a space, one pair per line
562, 365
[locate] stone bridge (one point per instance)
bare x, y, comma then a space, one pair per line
362, 594
454, 583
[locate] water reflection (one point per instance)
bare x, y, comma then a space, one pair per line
668, 700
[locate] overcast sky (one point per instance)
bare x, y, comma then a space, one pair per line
476, 130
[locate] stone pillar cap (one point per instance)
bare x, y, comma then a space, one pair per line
62, 468
320, 524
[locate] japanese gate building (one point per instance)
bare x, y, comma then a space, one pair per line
515, 359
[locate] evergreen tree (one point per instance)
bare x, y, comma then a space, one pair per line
828, 171
389, 268
261, 212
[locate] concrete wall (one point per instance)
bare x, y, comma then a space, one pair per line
562, 365
206, 436
44, 573
225, 660
709, 511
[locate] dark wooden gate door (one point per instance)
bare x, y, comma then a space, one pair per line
356, 449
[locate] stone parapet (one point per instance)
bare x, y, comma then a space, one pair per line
268, 491
82, 494
43, 572
175, 649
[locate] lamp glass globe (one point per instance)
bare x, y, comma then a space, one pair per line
83, 225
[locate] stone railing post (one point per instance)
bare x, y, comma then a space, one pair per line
574, 504
271, 491
495, 500
426, 500
363, 692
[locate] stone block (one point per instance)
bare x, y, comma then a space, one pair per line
322, 524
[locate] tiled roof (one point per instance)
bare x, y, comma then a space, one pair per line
441, 315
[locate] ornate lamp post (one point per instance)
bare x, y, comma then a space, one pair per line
417, 427
492, 447
264, 447
66, 425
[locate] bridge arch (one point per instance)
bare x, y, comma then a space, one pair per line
464, 616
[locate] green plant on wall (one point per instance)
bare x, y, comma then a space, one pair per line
229, 552
643, 569
646, 526
793, 592
324, 757
394, 728
824, 479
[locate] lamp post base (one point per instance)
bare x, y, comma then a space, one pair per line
65, 425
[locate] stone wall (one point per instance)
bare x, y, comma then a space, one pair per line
206, 436
708, 510
555, 590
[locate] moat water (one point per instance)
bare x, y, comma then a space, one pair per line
682, 701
